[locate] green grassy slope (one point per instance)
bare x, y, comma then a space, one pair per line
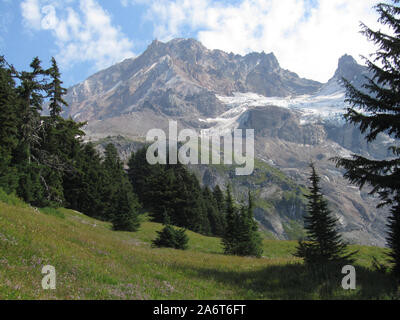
93, 262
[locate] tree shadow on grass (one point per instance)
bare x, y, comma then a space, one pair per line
298, 282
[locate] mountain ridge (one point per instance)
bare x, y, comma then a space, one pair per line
188, 72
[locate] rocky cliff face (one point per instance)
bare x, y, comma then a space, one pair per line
283, 124
181, 78
295, 121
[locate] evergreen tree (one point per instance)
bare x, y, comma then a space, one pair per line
113, 171
215, 217
323, 243
32, 186
121, 205
189, 211
55, 91
250, 241
150, 182
376, 109
170, 237
219, 198
84, 186
30, 91
60, 139
394, 237
125, 216
165, 238
181, 239
230, 238
8, 127
8, 110
241, 234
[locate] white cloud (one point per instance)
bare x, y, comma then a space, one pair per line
82, 34
307, 40
31, 13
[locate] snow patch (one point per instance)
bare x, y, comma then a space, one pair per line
115, 87
327, 105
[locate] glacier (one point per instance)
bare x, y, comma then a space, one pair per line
328, 105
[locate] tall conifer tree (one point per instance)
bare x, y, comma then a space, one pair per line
220, 199
8, 127
32, 186
323, 243
215, 217
31, 91
121, 203
229, 240
376, 109
55, 91
249, 239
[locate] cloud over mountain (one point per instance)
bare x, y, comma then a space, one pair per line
308, 36
83, 33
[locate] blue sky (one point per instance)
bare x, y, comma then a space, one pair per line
85, 36
20, 42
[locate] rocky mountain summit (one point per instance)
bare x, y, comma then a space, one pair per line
295, 121
180, 79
